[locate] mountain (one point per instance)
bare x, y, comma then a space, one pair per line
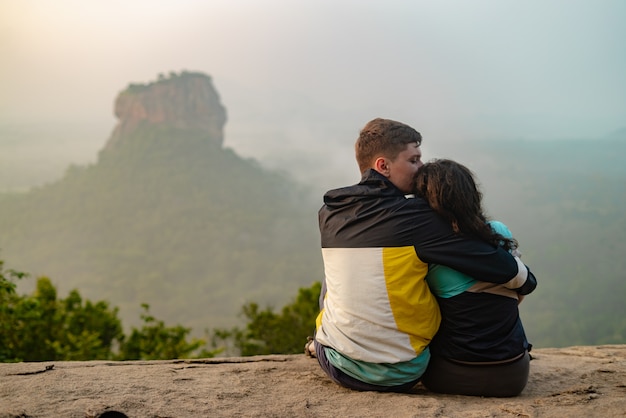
167, 216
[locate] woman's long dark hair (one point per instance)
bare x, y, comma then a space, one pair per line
450, 190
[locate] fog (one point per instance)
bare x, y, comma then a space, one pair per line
300, 79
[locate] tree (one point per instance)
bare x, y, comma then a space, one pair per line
8, 300
90, 330
41, 327
268, 332
155, 341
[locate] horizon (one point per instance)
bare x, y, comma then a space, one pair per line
293, 75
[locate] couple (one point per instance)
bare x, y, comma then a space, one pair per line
418, 285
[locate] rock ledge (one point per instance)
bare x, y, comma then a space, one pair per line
587, 381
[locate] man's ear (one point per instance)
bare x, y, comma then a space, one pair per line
382, 166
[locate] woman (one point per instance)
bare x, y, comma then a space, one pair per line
480, 348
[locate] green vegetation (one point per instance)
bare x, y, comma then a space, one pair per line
155, 341
134, 88
268, 332
41, 327
169, 218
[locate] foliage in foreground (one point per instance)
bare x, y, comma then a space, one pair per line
41, 327
269, 332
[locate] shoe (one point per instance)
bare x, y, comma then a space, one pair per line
307, 350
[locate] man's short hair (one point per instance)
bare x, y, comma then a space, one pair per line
383, 138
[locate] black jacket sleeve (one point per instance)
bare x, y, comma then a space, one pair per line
529, 285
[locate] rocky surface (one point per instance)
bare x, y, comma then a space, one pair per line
564, 382
183, 101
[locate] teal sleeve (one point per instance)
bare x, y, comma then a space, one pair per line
445, 282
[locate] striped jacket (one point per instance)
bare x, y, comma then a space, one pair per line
376, 246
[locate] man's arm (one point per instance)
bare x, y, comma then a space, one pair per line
435, 242
524, 287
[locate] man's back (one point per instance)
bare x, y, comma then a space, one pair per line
378, 307
377, 314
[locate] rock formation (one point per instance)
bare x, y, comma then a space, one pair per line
185, 101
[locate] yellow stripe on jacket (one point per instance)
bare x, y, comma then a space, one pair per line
378, 307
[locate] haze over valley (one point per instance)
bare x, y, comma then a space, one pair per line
530, 95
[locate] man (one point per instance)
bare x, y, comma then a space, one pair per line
377, 314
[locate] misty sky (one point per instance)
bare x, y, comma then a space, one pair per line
524, 69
